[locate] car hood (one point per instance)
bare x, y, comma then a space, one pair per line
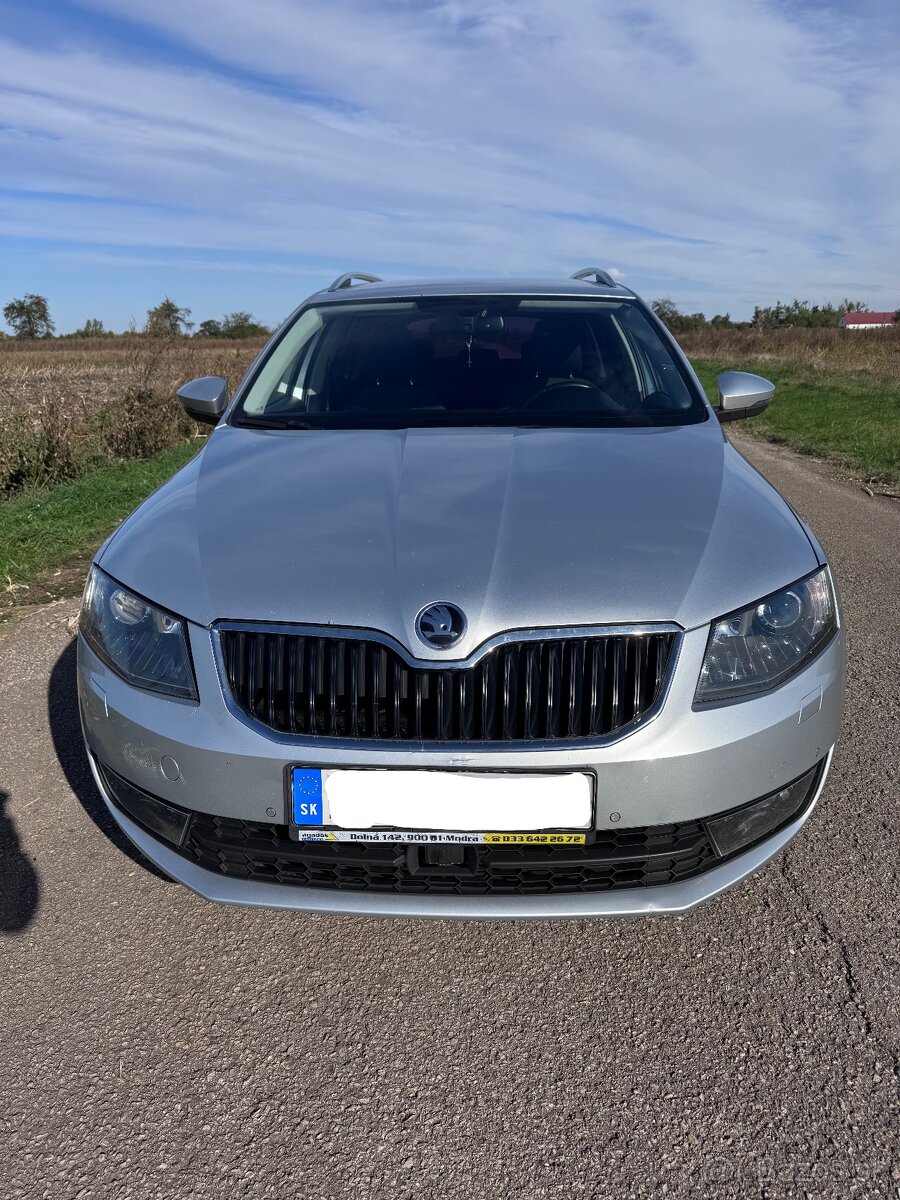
521, 528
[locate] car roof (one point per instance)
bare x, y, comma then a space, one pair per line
382, 290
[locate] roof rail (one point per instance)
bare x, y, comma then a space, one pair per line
598, 276
346, 280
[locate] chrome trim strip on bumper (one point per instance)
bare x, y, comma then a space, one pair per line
667, 898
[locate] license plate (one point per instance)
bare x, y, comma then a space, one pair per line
463, 807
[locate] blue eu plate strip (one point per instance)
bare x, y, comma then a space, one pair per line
306, 796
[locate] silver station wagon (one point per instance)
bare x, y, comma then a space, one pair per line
467, 608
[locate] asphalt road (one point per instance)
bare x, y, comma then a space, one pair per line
154, 1045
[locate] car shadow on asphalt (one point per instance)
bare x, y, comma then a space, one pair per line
20, 890
65, 729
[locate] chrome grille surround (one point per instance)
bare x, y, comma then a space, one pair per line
575, 686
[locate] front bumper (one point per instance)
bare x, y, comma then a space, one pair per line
669, 898
682, 765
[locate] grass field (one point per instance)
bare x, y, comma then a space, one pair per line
837, 393
87, 429
47, 536
852, 419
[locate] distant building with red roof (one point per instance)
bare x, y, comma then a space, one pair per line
867, 320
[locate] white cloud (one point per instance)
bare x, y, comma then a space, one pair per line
724, 153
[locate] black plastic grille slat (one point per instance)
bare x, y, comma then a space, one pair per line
532, 690
557, 689
332, 687
253, 673
508, 695
466, 685
618, 682
396, 669
575, 653
632, 858
554, 684
271, 659
488, 705
312, 647
637, 675
292, 651
417, 703
352, 691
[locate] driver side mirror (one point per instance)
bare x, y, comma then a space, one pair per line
204, 399
742, 395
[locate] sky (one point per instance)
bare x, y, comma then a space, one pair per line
724, 153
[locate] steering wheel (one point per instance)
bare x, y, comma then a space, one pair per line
606, 402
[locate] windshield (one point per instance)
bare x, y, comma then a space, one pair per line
463, 362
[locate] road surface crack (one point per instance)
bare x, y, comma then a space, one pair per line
830, 937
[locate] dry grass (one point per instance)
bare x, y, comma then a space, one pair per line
831, 352
68, 407
65, 406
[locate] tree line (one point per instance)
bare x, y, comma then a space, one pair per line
29, 317
798, 314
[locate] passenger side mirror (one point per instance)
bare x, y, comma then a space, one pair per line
205, 399
742, 395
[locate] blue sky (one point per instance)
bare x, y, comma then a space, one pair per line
722, 152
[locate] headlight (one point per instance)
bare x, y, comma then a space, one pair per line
764, 644
146, 645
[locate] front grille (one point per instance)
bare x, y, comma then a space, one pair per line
562, 688
634, 858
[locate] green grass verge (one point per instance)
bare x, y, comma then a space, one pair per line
850, 419
43, 530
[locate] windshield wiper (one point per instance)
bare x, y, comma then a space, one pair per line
274, 422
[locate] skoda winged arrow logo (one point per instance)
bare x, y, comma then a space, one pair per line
440, 625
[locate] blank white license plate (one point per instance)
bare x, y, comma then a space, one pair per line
441, 806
